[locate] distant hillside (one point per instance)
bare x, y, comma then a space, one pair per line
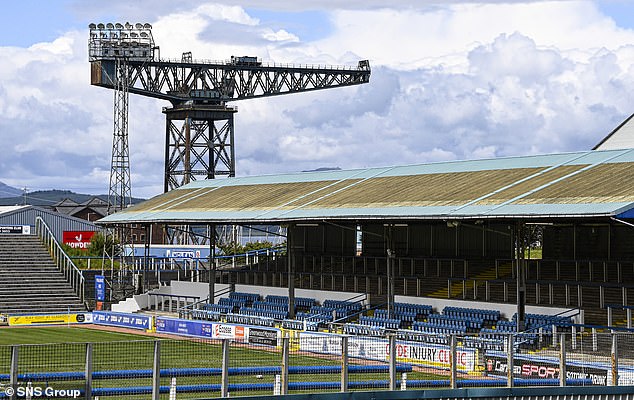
8, 191
50, 197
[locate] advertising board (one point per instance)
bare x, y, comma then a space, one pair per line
77, 239
123, 320
422, 354
15, 229
50, 319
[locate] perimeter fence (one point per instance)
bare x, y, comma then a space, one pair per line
308, 362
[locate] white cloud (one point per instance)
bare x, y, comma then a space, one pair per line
450, 81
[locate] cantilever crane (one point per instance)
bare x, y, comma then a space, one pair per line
199, 130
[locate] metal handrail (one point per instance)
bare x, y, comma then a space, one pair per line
72, 274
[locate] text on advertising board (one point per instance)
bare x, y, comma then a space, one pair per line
78, 239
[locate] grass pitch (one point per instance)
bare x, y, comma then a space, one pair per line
63, 349
66, 334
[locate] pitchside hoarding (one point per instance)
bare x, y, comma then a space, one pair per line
422, 354
215, 330
122, 320
50, 319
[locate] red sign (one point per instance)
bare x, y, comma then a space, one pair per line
78, 239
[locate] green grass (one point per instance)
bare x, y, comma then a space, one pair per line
67, 334
62, 349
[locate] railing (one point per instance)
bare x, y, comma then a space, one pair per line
263, 362
72, 274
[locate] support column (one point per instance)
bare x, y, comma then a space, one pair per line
520, 276
290, 251
146, 260
212, 264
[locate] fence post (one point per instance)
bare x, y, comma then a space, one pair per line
224, 380
284, 377
88, 387
13, 379
156, 371
344, 363
392, 344
615, 360
452, 362
562, 360
510, 362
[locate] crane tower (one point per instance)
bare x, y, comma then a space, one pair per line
199, 128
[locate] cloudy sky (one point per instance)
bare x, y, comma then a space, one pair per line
450, 80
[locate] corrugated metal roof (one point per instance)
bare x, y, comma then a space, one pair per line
594, 183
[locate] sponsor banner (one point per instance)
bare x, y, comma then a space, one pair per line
50, 319
184, 327
263, 336
204, 329
378, 349
16, 229
538, 368
77, 239
226, 331
100, 288
182, 254
122, 320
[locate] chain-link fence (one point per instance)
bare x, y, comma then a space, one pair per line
268, 361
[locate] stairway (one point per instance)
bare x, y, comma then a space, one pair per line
29, 280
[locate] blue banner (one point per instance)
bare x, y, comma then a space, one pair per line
123, 320
184, 327
100, 288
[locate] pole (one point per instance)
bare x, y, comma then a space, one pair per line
88, 372
453, 363
392, 344
13, 377
562, 360
520, 277
284, 378
224, 384
156, 371
344, 363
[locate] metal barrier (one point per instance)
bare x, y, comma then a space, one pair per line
263, 361
72, 274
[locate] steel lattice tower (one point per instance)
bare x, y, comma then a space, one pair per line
119, 194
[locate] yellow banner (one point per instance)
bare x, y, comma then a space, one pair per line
47, 319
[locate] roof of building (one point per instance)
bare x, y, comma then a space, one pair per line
9, 209
622, 137
581, 184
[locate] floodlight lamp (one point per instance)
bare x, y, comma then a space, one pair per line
144, 35
92, 26
109, 26
101, 26
134, 34
118, 26
147, 26
128, 25
138, 25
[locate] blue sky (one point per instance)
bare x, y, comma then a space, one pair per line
450, 80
